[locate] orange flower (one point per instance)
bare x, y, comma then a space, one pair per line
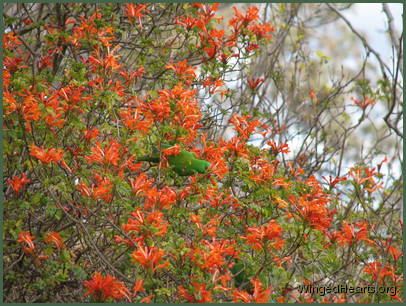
196, 219
334, 182
17, 183
89, 134
212, 255
109, 155
186, 21
250, 15
141, 184
244, 127
254, 83
135, 11
353, 233
261, 30
186, 72
9, 102
142, 222
27, 238
281, 182
312, 208
150, 257
133, 119
392, 250
138, 286
204, 296
260, 295
47, 155
364, 103
283, 148
167, 197
257, 236
102, 191
55, 238
200, 293
104, 287
379, 271
159, 108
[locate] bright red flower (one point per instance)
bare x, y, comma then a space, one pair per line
250, 15
9, 102
187, 21
211, 256
283, 148
101, 191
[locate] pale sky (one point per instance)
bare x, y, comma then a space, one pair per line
370, 19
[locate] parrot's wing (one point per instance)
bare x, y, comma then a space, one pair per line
182, 163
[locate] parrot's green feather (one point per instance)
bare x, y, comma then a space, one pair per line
184, 164
239, 275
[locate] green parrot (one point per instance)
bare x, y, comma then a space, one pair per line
184, 164
241, 279
238, 273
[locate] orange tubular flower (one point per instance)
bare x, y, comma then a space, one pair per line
150, 257
270, 231
184, 71
254, 83
107, 156
105, 287
141, 184
135, 11
27, 238
140, 221
17, 183
47, 155
394, 252
244, 127
56, 239
352, 233
138, 286
379, 271
260, 295
363, 103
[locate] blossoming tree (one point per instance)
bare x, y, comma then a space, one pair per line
89, 89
